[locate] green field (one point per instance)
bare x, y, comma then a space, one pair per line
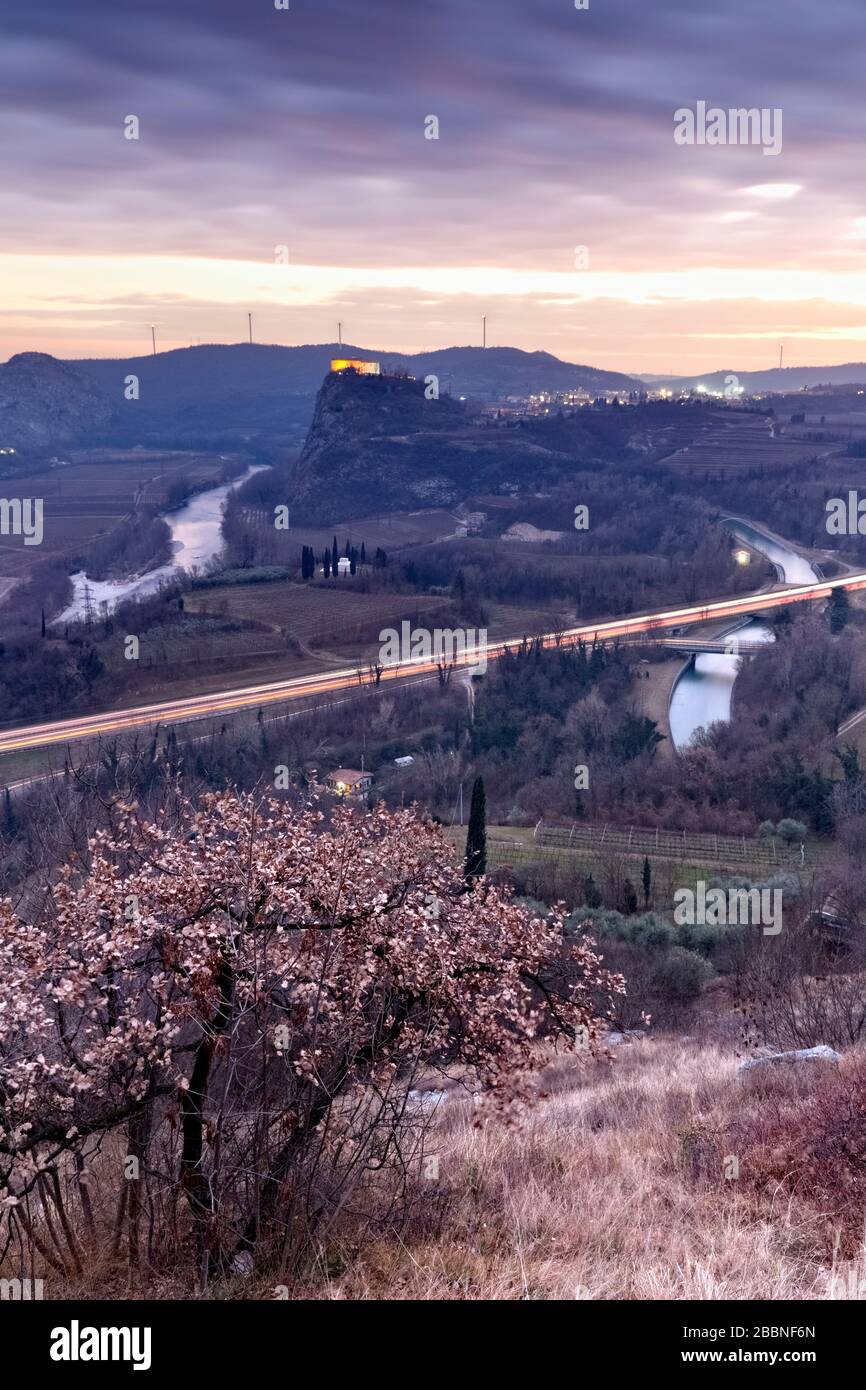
391, 532
314, 613
551, 871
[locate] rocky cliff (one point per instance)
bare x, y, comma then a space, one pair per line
377, 445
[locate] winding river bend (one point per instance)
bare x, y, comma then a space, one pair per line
704, 688
195, 541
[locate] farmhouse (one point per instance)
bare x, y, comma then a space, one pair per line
347, 781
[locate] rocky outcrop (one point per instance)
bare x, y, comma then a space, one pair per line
377, 444
45, 402
801, 1056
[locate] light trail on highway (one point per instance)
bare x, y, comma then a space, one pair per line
328, 682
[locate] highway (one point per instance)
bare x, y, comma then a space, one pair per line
328, 682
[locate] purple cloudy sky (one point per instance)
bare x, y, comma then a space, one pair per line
304, 128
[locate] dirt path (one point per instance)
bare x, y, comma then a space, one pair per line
653, 688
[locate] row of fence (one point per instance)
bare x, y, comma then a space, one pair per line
674, 844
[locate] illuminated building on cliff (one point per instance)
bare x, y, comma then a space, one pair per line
345, 364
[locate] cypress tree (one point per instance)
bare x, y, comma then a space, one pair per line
839, 609
476, 838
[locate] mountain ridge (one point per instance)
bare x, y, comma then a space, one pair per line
779, 380
203, 393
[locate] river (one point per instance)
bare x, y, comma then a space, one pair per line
195, 541
704, 688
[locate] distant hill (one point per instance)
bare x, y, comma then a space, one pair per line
779, 379
214, 392
253, 387
44, 402
492, 373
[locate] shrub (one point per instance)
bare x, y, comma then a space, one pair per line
808, 1136
791, 830
680, 976
242, 1001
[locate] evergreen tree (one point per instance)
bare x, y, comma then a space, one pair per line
839, 609
9, 821
629, 896
363, 553
647, 877
326, 563
850, 760
591, 895
476, 838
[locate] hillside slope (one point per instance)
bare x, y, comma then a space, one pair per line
44, 402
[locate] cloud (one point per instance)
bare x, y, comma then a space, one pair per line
775, 192
305, 127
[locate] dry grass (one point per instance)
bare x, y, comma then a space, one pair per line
613, 1187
